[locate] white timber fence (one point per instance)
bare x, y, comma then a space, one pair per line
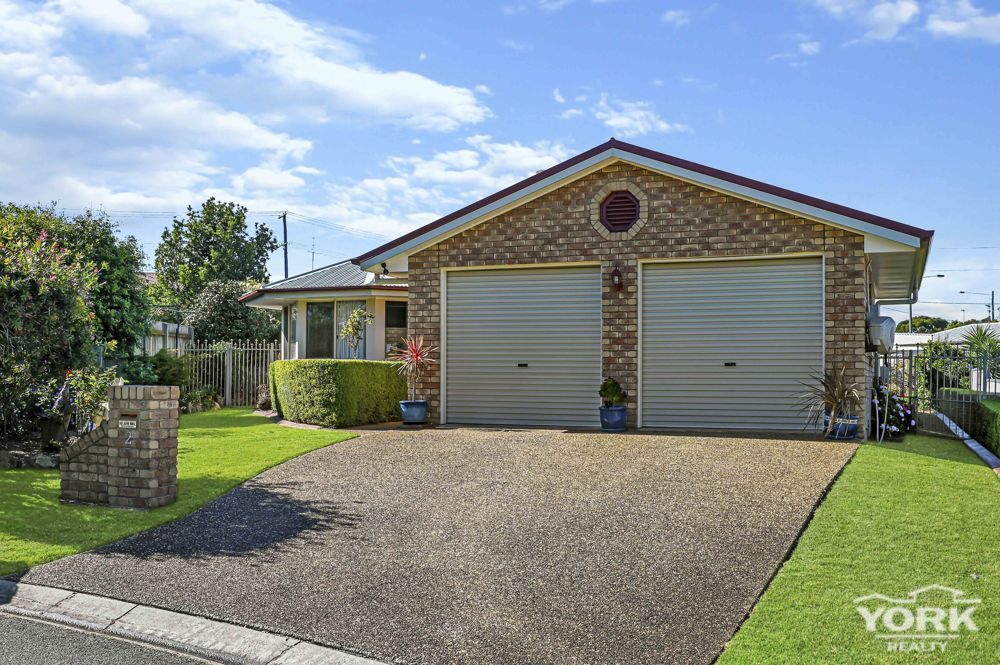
235, 371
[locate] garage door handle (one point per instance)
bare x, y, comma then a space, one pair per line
522, 364
729, 364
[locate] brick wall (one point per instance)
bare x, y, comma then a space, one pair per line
678, 220
134, 467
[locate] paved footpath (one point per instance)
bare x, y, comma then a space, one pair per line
24, 639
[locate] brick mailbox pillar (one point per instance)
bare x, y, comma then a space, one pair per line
131, 460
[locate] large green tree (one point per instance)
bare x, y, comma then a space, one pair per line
218, 315
923, 324
120, 300
211, 243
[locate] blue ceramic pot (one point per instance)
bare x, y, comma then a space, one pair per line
414, 411
844, 427
613, 418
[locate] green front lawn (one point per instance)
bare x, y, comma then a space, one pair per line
901, 516
217, 451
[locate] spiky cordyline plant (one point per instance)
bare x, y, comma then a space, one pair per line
414, 357
831, 393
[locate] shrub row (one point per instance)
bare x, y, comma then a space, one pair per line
336, 393
986, 424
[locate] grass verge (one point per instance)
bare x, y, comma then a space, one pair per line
901, 516
217, 451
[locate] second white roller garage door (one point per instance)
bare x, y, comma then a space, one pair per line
728, 344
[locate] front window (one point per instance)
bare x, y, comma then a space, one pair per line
320, 337
344, 349
395, 314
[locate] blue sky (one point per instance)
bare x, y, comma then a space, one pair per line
366, 119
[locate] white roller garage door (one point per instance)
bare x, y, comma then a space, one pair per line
726, 344
523, 346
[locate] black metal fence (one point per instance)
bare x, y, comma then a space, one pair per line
942, 383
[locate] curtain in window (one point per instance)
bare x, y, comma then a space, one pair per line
344, 310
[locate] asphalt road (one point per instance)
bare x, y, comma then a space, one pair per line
29, 642
478, 546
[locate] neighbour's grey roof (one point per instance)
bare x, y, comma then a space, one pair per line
344, 273
339, 276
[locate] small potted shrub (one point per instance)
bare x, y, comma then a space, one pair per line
414, 359
614, 413
837, 401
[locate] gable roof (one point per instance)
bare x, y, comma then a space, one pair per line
342, 276
724, 181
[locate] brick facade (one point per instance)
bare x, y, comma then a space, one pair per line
127, 468
681, 220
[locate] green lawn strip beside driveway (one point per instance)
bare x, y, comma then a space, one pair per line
901, 516
217, 451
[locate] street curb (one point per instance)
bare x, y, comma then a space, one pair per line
988, 458
184, 633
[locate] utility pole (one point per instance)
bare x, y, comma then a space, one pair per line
284, 231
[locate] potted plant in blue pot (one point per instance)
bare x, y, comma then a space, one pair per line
414, 357
614, 413
836, 400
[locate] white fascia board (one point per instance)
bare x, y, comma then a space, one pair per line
769, 200
616, 154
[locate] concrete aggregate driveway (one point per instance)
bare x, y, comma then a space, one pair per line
480, 546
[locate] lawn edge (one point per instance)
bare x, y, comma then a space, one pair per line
17, 574
820, 500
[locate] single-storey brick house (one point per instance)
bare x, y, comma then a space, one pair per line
709, 296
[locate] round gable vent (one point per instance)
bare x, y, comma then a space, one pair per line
619, 211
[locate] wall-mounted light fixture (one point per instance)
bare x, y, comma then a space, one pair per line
385, 269
616, 279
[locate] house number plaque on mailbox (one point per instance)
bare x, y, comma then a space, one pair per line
128, 422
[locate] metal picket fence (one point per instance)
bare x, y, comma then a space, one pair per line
948, 380
233, 370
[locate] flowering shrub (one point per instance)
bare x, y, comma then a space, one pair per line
46, 326
891, 414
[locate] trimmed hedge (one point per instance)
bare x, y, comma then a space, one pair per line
336, 393
986, 426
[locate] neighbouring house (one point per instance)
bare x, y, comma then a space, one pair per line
951, 335
905, 340
314, 306
958, 335
166, 335
710, 297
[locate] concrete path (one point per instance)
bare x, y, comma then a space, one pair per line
105, 618
479, 546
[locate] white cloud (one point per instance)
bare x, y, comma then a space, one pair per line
322, 61
554, 5
883, 19
628, 119
963, 20
556, 95
809, 48
676, 17
483, 89
105, 16
516, 46
418, 190
271, 180
570, 113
